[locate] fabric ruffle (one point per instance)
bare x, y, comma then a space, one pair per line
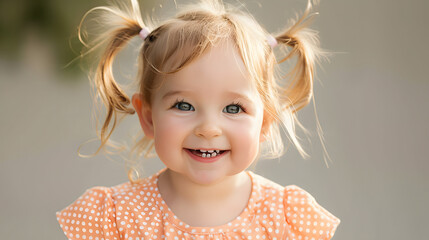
305, 217
91, 216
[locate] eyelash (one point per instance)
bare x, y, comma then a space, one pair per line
234, 103
177, 102
239, 105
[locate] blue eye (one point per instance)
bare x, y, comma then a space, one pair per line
183, 106
233, 108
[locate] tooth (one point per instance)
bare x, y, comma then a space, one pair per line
214, 154
204, 155
210, 151
217, 151
203, 150
208, 155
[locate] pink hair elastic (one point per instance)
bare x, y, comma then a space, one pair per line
272, 41
144, 33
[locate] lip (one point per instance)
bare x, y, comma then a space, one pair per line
205, 160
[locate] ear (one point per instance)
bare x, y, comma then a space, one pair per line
145, 115
266, 123
263, 130
262, 136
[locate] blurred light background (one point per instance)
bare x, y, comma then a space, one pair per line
372, 102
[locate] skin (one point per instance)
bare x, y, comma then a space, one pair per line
206, 117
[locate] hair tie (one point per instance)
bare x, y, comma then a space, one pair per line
144, 33
272, 41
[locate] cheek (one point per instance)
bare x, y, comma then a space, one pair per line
169, 133
245, 135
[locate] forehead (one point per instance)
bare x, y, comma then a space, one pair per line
220, 68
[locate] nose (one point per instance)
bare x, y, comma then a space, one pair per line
208, 128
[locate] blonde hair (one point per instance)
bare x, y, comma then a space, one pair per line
177, 42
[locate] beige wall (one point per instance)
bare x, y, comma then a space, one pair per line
372, 104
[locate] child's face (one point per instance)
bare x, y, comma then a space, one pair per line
198, 108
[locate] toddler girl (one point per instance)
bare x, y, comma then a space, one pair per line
209, 104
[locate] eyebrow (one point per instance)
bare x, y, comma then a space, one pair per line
171, 93
229, 93
239, 95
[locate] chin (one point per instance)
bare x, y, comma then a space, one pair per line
210, 177
206, 177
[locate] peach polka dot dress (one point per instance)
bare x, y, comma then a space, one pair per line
137, 211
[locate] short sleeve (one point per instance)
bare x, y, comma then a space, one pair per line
305, 217
91, 216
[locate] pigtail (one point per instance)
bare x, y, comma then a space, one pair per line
120, 23
304, 44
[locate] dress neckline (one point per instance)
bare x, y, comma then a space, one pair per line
244, 219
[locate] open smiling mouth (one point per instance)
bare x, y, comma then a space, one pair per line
206, 153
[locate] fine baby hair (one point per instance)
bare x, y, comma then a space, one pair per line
172, 45
209, 94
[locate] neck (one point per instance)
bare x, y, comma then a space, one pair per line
176, 186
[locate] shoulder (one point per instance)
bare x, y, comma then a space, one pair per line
91, 214
303, 217
306, 217
96, 212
